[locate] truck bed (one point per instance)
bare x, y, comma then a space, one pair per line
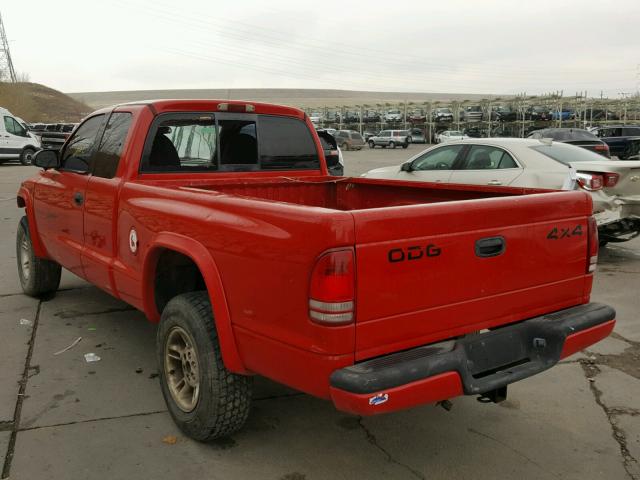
348, 194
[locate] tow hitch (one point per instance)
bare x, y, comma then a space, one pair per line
494, 396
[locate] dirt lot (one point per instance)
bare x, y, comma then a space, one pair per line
63, 418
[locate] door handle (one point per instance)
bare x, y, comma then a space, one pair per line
490, 247
494, 182
78, 198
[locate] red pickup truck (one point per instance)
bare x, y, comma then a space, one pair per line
218, 219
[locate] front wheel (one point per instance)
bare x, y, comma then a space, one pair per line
206, 400
405, 145
392, 144
344, 146
26, 157
38, 276
372, 145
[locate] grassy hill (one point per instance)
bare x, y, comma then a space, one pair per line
36, 103
287, 96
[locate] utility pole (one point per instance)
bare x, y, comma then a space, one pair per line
7, 72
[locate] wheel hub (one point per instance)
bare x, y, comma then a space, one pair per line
181, 369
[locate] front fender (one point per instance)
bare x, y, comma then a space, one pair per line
207, 266
25, 200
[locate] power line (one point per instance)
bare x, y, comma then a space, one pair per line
7, 72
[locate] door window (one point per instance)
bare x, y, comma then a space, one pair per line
482, 157
13, 127
439, 159
80, 146
105, 162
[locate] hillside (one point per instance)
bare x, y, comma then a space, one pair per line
286, 96
36, 103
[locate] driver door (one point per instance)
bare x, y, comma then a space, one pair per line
435, 165
59, 197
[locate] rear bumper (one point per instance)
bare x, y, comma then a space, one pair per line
475, 364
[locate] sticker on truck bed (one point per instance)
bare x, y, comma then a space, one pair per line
559, 233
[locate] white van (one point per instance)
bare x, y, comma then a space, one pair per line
16, 142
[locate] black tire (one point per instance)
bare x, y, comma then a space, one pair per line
223, 398
392, 144
26, 157
405, 145
344, 146
38, 276
372, 145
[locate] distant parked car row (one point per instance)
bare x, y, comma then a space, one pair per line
468, 114
52, 135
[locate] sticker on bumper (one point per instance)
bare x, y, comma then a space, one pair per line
379, 399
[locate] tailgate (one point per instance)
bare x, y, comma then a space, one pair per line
431, 272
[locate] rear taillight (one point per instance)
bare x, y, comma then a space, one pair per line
596, 181
611, 179
603, 147
331, 293
592, 245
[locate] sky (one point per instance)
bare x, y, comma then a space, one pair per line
450, 46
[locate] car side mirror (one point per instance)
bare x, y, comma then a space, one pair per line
46, 159
407, 167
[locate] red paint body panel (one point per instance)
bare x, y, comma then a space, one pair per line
581, 340
256, 236
430, 390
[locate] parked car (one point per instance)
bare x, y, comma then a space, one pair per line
565, 114
349, 140
416, 135
368, 134
472, 114
393, 116
538, 114
16, 141
474, 132
390, 138
613, 185
417, 116
449, 135
332, 154
442, 114
623, 140
168, 208
316, 117
330, 131
54, 135
575, 136
371, 116
503, 114
601, 114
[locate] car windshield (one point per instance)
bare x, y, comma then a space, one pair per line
566, 154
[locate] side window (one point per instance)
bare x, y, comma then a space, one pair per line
481, 157
439, 159
184, 142
286, 143
632, 131
79, 147
105, 161
14, 127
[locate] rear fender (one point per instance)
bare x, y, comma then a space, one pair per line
205, 263
25, 200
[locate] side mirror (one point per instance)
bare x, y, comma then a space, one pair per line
407, 167
46, 159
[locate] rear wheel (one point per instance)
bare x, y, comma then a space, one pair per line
405, 145
38, 276
206, 400
372, 144
26, 157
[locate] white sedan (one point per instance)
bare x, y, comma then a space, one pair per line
614, 185
450, 135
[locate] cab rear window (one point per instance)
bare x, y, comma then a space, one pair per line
203, 142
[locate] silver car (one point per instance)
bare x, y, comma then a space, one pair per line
390, 138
